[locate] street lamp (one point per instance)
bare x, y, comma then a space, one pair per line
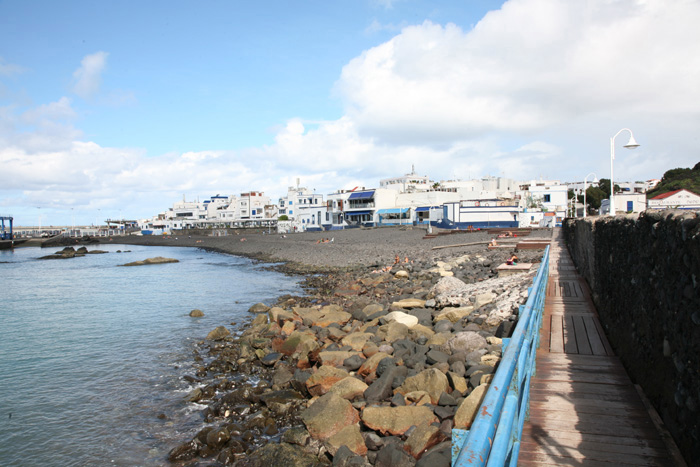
585, 180
632, 144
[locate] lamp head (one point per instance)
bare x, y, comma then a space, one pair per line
632, 144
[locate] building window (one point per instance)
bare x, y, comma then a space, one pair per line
547, 198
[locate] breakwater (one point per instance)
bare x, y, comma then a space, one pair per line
643, 273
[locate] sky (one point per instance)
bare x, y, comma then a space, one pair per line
113, 110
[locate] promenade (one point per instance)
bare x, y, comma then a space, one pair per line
584, 409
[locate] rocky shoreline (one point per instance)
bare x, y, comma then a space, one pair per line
374, 366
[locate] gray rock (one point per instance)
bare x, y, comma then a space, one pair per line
393, 455
353, 363
435, 356
466, 341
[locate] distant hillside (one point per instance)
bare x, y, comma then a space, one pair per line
678, 179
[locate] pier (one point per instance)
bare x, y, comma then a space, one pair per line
574, 405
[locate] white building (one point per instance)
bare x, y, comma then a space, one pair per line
408, 183
625, 202
678, 199
547, 196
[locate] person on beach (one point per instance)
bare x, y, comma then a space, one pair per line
512, 261
493, 242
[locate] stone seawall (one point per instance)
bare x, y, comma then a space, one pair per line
644, 273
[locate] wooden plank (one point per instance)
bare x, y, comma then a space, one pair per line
556, 335
612, 428
594, 338
581, 337
586, 445
574, 359
606, 343
574, 388
567, 437
590, 457
584, 408
569, 336
555, 401
583, 377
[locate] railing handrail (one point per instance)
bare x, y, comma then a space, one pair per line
494, 437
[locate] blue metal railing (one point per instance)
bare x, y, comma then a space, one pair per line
494, 437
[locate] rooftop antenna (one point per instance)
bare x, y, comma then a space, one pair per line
298, 183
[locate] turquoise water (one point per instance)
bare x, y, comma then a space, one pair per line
92, 353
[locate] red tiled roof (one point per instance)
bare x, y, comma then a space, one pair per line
666, 195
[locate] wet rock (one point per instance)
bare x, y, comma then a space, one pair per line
185, 451
259, 308
149, 261
271, 358
280, 455
218, 334
328, 415
196, 313
396, 420
296, 435
216, 438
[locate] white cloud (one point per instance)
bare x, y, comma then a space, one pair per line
88, 77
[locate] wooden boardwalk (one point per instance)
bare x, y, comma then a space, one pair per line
584, 410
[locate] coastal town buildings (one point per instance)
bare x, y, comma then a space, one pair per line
410, 199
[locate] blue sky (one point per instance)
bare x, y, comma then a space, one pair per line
112, 109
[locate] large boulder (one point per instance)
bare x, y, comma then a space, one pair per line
349, 437
325, 377
396, 420
298, 342
328, 415
349, 388
466, 341
259, 308
466, 412
432, 381
401, 317
423, 438
218, 334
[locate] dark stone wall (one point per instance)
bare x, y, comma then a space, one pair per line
645, 275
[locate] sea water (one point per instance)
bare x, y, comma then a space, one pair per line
92, 355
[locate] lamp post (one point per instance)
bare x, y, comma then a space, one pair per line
632, 144
585, 180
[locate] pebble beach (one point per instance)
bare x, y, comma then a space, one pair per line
393, 345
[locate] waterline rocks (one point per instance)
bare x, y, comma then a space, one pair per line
377, 374
70, 252
155, 260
